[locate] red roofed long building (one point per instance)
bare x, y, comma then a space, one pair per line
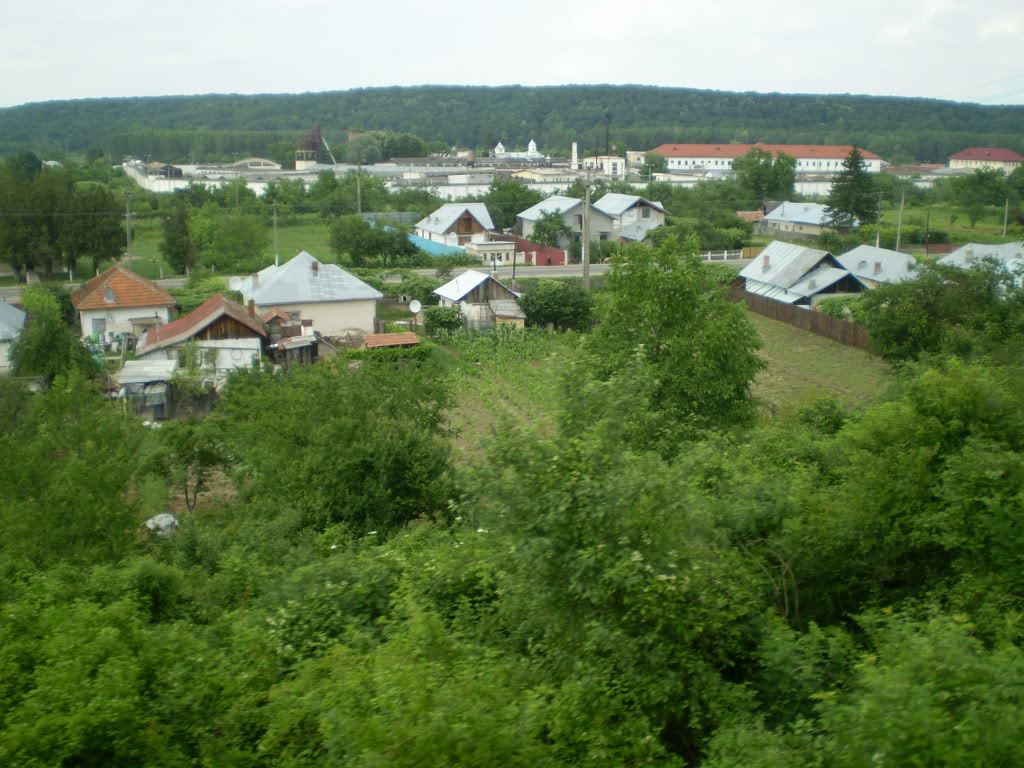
810, 158
987, 157
120, 301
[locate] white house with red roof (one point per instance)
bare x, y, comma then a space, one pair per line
977, 158
810, 158
120, 301
233, 337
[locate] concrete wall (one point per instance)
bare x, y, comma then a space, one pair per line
119, 319
5, 360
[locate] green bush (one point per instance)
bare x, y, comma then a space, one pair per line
443, 319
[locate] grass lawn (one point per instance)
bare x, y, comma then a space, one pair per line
953, 219
803, 366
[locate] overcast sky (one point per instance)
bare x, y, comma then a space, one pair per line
948, 49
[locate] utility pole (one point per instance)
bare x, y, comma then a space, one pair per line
359, 189
586, 235
878, 223
899, 222
277, 252
128, 226
1006, 215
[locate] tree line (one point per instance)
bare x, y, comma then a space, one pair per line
635, 117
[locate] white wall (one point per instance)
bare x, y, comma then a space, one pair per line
5, 360
230, 355
333, 318
803, 164
119, 319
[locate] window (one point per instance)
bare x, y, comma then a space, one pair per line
645, 213
293, 315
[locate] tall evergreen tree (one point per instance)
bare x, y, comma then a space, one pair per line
853, 197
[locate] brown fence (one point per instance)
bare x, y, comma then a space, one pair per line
843, 331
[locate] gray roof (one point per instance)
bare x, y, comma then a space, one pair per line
506, 308
296, 282
799, 213
968, 255
556, 203
616, 204
815, 282
785, 264
12, 320
879, 265
146, 371
441, 220
457, 288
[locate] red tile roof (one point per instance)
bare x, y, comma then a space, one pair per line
195, 321
799, 151
374, 340
128, 289
988, 153
275, 312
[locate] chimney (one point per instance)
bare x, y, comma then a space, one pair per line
315, 266
252, 308
862, 264
765, 266
575, 163
878, 267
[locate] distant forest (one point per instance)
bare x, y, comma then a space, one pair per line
637, 117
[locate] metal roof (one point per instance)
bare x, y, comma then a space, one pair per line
297, 282
441, 220
146, 371
506, 308
616, 204
969, 254
12, 320
555, 203
435, 248
800, 213
462, 284
879, 265
785, 264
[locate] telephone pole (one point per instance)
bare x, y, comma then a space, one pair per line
128, 226
277, 252
899, 222
1006, 215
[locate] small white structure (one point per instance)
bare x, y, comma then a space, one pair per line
12, 320
146, 386
483, 300
456, 224
336, 303
632, 216
612, 166
878, 265
797, 275
120, 301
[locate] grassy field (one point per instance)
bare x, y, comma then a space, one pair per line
953, 219
494, 390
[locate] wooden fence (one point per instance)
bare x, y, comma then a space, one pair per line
843, 331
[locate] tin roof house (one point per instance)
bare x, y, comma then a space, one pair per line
797, 275
484, 301
456, 224
873, 265
12, 320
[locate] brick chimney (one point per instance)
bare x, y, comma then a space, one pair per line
252, 308
765, 266
315, 266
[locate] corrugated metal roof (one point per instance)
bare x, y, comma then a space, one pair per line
296, 282
616, 204
145, 371
892, 266
814, 214
12, 320
969, 254
556, 203
818, 280
441, 220
456, 288
787, 264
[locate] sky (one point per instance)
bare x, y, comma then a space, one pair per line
946, 49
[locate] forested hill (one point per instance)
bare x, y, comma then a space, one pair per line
641, 117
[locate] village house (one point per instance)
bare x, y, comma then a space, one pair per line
337, 304
231, 336
810, 158
977, 158
484, 301
571, 211
119, 301
12, 320
873, 266
456, 224
799, 219
1010, 255
632, 216
797, 275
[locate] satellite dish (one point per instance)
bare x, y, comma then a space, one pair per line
235, 283
415, 306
